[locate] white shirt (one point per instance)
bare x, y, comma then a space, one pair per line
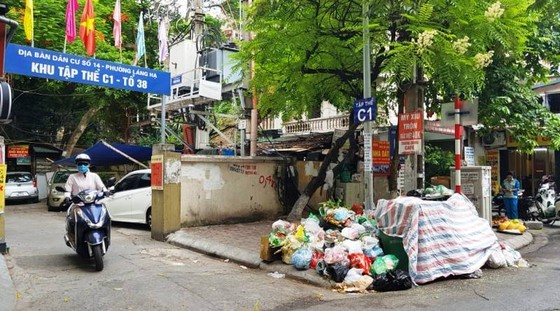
79, 181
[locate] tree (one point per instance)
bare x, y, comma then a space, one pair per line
44, 109
301, 45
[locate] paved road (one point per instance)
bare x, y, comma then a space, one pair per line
143, 274
139, 274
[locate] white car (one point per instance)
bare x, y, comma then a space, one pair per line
131, 198
21, 186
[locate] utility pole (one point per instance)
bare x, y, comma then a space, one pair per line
5, 37
368, 171
254, 112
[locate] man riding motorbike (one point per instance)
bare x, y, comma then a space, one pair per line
83, 179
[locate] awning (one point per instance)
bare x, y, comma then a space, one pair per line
40, 149
103, 155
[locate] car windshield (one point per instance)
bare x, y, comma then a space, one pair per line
61, 177
19, 177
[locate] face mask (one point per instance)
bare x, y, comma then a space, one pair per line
83, 168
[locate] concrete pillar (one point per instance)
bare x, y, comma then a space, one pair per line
166, 191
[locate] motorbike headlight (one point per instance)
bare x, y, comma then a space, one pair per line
87, 196
88, 221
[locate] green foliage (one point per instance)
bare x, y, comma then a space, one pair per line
298, 47
309, 51
44, 107
437, 161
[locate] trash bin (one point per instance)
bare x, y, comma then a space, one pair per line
394, 246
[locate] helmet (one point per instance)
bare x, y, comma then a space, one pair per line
82, 158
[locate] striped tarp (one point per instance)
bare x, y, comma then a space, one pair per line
441, 238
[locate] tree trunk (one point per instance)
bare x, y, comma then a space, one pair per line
317, 181
394, 170
80, 128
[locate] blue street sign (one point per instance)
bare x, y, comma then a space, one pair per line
364, 110
29, 61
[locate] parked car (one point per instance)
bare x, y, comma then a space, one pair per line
21, 186
131, 198
55, 197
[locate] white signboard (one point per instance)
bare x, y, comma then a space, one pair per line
469, 113
368, 160
469, 156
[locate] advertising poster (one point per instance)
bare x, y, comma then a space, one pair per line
157, 172
410, 133
18, 151
381, 158
492, 160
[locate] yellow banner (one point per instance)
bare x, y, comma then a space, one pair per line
3, 169
541, 140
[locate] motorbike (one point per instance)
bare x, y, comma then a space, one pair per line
88, 226
546, 207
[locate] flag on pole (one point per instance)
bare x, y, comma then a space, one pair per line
71, 9
28, 20
87, 28
162, 37
117, 24
140, 44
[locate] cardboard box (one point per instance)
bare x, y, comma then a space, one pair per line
441, 180
269, 253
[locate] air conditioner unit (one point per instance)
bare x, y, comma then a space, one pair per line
494, 139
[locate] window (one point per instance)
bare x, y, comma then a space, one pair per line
127, 183
553, 101
19, 177
61, 177
145, 180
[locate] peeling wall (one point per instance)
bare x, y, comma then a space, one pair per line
222, 189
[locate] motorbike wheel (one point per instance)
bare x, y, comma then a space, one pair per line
98, 257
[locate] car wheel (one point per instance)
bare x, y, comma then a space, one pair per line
36, 200
50, 208
149, 218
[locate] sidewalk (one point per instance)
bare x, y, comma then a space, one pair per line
239, 243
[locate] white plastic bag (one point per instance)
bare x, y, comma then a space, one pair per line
497, 259
353, 247
353, 275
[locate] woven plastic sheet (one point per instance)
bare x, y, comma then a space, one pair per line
441, 238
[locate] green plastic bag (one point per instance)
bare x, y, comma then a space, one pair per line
274, 240
313, 217
384, 264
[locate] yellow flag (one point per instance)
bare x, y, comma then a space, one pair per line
28, 20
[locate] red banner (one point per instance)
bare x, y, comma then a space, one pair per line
18, 151
381, 157
410, 133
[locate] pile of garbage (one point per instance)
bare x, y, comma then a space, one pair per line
341, 244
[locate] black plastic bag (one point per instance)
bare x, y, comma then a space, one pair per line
392, 281
337, 272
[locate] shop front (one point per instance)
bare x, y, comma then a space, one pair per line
528, 168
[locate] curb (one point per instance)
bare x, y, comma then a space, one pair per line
7, 289
519, 241
215, 249
241, 257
